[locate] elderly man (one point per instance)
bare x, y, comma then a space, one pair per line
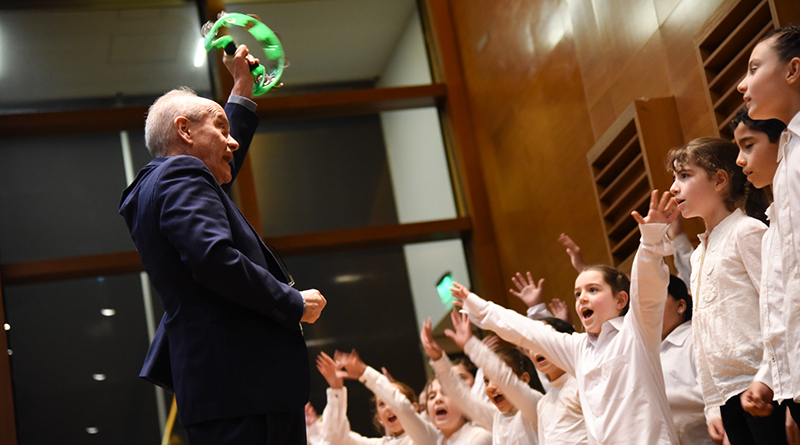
230, 342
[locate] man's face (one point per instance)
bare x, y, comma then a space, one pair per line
212, 142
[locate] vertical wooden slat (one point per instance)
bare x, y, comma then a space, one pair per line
8, 428
482, 253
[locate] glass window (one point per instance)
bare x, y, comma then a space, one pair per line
77, 347
60, 197
369, 309
340, 173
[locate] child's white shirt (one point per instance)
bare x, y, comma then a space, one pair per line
515, 427
726, 273
419, 430
560, 414
780, 282
683, 391
336, 427
619, 375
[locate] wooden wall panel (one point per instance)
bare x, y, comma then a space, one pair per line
528, 135
537, 112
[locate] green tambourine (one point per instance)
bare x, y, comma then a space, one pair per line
268, 40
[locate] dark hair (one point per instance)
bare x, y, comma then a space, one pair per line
403, 388
771, 127
618, 281
520, 363
787, 42
559, 325
712, 155
464, 361
677, 290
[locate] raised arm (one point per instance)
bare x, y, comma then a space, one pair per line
530, 292
418, 429
650, 275
515, 328
519, 393
479, 410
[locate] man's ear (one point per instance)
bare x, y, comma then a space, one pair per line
182, 125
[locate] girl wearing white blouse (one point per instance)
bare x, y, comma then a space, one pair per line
511, 412
389, 415
726, 274
447, 426
616, 362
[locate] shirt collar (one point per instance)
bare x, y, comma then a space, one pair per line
679, 335
609, 327
736, 214
792, 130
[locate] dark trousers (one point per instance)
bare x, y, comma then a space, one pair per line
266, 429
794, 408
744, 429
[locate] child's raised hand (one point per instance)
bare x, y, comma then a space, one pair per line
432, 349
574, 252
462, 332
354, 367
527, 290
661, 211
560, 310
460, 293
327, 367
311, 414
492, 342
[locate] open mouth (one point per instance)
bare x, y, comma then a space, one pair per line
441, 414
498, 399
540, 358
587, 313
391, 419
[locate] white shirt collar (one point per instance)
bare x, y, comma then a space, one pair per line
792, 130
679, 335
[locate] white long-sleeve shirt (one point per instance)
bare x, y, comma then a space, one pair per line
780, 282
619, 373
726, 273
420, 431
336, 426
518, 426
683, 391
560, 414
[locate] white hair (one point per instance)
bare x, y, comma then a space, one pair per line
158, 127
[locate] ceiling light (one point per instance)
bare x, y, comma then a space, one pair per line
108, 312
200, 55
7, 327
99, 377
92, 430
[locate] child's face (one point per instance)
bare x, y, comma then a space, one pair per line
757, 155
595, 302
547, 367
465, 375
763, 86
387, 418
443, 414
694, 190
497, 397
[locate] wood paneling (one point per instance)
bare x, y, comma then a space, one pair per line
539, 106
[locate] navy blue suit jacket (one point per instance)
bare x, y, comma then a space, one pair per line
230, 342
